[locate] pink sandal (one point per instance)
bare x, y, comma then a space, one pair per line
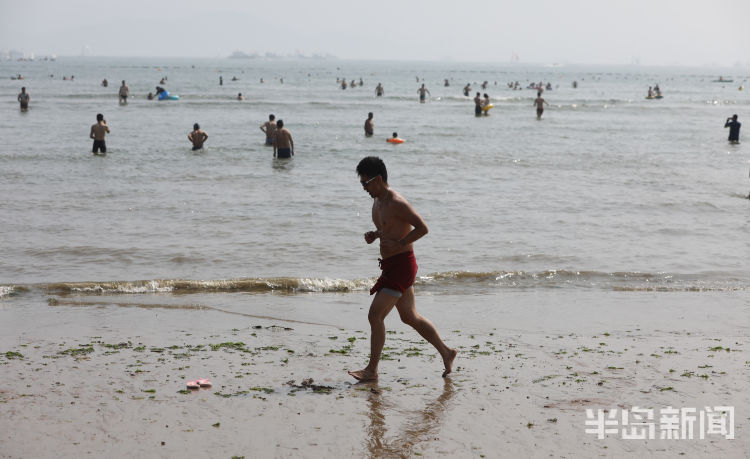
193, 385
202, 382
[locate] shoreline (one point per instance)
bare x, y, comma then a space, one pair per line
106, 374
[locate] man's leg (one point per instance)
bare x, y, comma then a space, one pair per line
379, 309
409, 315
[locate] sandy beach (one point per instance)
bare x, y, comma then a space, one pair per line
105, 375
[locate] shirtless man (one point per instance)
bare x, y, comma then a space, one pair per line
124, 93
379, 90
369, 125
734, 129
539, 104
422, 93
269, 129
98, 131
467, 89
24, 99
398, 226
283, 145
198, 136
478, 105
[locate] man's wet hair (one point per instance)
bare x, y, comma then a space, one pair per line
371, 167
196, 126
369, 115
99, 117
280, 124
271, 117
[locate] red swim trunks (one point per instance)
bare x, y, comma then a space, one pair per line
399, 272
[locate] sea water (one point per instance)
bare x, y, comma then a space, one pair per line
608, 191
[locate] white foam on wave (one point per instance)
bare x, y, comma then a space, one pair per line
331, 285
127, 287
6, 290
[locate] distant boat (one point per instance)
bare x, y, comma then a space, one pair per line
722, 80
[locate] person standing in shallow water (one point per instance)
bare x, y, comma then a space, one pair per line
24, 99
98, 132
423, 93
283, 144
398, 226
539, 104
369, 125
124, 93
734, 129
269, 129
197, 137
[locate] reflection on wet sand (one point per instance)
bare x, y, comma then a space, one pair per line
419, 425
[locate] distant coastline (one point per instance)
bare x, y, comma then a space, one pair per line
268, 55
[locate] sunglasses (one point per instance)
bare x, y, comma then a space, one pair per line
364, 184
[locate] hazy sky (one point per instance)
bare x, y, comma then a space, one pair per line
690, 32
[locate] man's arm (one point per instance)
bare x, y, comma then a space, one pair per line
729, 120
205, 136
91, 134
275, 137
265, 131
291, 143
404, 211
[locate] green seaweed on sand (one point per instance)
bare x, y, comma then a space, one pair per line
267, 390
10, 355
718, 348
83, 349
238, 346
122, 345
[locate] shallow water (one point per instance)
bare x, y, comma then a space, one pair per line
608, 191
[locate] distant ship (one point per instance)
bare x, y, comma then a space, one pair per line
241, 55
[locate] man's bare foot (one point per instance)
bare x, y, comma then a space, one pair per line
449, 362
364, 375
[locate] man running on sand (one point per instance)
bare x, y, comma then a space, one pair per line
398, 227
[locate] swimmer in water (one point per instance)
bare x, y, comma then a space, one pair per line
24, 99
269, 129
423, 93
369, 125
197, 137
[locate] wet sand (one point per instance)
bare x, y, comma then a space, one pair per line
93, 376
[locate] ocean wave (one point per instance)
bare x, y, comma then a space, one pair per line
255, 285
442, 282
6, 290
